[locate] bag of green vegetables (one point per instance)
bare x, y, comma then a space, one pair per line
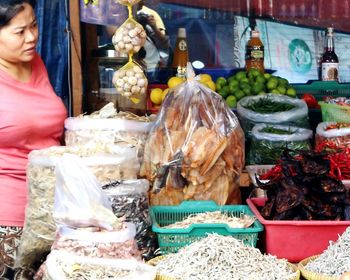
268, 142
272, 109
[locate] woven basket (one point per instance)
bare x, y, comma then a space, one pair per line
309, 275
156, 260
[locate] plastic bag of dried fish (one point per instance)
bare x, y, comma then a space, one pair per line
39, 227
107, 127
95, 242
129, 199
195, 150
64, 266
79, 200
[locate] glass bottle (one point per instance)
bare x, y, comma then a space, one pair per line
180, 58
329, 61
254, 53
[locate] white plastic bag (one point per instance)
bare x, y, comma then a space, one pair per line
61, 264
79, 200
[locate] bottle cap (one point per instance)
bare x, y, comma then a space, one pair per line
255, 33
181, 33
330, 31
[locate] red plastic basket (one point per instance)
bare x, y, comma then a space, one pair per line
296, 240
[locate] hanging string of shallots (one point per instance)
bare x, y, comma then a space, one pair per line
130, 80
218, 257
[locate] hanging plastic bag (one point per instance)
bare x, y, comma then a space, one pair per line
129, 37
64, 266
131, 82
195, 150
129, 199
79, 201
272, 109
269, 141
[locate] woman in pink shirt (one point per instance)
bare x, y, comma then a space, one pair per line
31, 117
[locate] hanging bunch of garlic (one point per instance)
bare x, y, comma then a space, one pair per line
130, 81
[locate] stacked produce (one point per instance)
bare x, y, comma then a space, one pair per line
274, 109
218, 257
334, 138
195, 149
269, 141
335, 260
249, 83
301, 188
39, 227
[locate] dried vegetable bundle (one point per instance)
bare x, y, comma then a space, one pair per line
335, 260
218, 257
195, 149
301, 188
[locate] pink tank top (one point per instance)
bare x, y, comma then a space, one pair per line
31, 118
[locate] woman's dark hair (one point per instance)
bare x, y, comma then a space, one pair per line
10, 8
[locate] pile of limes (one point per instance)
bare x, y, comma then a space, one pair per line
252, 82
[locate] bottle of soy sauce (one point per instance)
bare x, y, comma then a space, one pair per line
329, 62
254, 53
180, 58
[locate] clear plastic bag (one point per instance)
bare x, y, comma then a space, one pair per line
65, 266
129, 37
195, 150
269, 141
331, 136
298, 116
129, 199
131, 82
93, 242
39, 227
79, 200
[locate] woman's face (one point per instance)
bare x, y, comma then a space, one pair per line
19, 37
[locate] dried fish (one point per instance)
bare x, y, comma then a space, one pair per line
218, 257
215, 217
129, 200
335, 260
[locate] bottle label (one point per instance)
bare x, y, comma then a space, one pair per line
330, 71
254, 53
182, 45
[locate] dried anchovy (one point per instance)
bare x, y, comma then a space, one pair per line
134, 208
218, 257
215, 217
335, 260
89, 271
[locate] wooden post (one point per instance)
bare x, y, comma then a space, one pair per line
76, 69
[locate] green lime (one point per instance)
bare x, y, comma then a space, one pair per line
281, 89
231, 101
283, 81
233, 88
241, 75
260, 79
234, 82
272, 83
291, 92
275, 91
239, 94
225, 91
244, 80
261, 93
257, 87
218, 87
230, 79
267, 76
221, 81
247, 90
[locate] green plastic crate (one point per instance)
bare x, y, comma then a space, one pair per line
171, 240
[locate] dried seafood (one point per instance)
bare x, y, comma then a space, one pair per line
335, 260
223, 257
195, 150
39, 228
215, 217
